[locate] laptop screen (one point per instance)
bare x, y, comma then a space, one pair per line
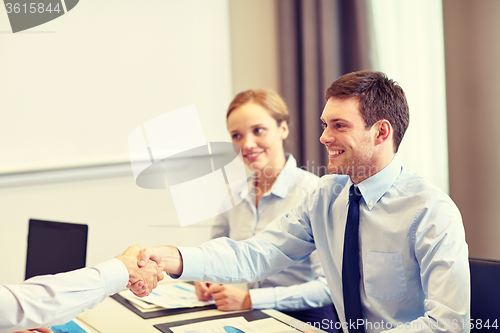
55, 247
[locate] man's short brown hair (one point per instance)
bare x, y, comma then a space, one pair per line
379, 98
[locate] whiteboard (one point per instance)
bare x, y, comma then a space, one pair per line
73, 89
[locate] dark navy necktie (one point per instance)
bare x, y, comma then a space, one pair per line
350, 264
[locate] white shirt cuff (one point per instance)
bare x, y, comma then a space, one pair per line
263, 298
193, 264
115, 275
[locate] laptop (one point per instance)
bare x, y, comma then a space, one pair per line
55, 247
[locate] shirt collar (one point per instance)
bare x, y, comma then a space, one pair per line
373, 188
286, 178
284, 181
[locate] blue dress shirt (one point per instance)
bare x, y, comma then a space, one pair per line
413, 255
301, 286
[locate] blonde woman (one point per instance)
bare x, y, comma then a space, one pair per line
257, 121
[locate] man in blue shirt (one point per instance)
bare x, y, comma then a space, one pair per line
413, 258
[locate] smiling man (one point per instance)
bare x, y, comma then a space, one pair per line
392, 244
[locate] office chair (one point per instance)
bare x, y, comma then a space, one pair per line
485, 294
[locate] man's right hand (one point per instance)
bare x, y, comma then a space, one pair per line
167, 257
145, 278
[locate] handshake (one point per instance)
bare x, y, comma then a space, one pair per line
146, 266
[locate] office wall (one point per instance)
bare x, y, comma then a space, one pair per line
117, 211
74, 88
254, 44
472, 51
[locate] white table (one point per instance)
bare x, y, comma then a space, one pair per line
112, 317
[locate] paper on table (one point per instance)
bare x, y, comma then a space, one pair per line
170, 296
273, 325
227, 325
69, 327
143, 306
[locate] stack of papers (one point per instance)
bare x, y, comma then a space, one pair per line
235, 325
167, 296
228, 325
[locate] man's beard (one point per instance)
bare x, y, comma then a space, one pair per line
357, 168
